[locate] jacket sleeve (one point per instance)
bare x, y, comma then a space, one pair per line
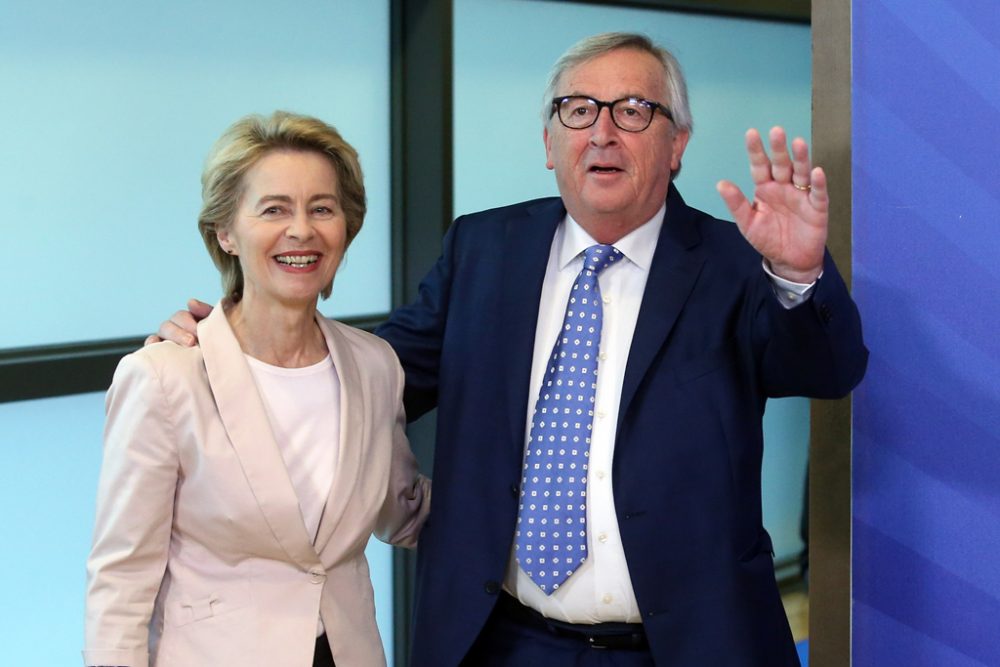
408, 496
416, 331
815, 349
135, 501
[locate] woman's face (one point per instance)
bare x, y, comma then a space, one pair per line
290, 231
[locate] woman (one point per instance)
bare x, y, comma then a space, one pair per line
242, 478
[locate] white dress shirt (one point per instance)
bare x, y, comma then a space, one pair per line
600, 590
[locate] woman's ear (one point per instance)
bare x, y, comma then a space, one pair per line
225, 242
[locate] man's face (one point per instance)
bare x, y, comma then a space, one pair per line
611, 180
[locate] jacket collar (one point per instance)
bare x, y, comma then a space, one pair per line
672, 275
244, 417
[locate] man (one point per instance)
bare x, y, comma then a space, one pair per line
617, 521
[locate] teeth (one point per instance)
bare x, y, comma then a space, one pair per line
298, 260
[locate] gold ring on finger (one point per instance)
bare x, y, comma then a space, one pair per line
803, 188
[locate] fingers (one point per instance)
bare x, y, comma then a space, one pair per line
782, 166
736, 202
800, 163
818, 194
781, 161
760, 166
181, 328
199, 309
150, 339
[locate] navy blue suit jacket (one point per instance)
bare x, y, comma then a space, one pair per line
711, 344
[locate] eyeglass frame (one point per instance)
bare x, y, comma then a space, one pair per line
601, 104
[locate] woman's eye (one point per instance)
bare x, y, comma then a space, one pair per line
271, 211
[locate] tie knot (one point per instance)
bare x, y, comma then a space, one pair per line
598, 257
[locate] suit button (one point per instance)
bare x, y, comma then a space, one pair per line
317, 576
515, 491
492, 587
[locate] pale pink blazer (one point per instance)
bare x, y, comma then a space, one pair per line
200, 553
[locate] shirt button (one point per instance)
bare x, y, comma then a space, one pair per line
607, 599
602, 538
317, 576
792, 296
605, 299
603, 356
600, 474
601, 414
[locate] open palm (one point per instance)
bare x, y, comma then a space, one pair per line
786, 222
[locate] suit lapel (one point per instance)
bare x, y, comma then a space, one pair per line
353, 437
244, 416
672, 276
526, 254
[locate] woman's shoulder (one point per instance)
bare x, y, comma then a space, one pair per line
164, 359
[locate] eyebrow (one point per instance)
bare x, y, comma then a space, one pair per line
621, 97
288, 200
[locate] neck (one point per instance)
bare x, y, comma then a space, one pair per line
611, 229
277, 334
607, 232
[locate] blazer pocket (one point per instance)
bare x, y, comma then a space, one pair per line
703, 364
184, 610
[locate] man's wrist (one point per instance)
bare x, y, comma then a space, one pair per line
789, 293
806, 278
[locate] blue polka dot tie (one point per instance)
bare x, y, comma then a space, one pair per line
550, 542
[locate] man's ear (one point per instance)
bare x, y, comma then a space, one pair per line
547, 139
680, 143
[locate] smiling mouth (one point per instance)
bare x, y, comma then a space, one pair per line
297, 261
604, 170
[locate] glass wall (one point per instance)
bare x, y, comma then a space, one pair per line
109, 110
108, 113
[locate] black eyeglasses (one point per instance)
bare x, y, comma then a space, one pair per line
632, 114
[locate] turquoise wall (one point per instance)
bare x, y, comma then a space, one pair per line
108, 111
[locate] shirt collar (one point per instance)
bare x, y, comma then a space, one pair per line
638, 245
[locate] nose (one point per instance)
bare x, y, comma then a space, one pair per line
300, 226
603, 132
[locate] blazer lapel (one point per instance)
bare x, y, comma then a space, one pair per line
526, 253
353, 436
244, 416
672, 275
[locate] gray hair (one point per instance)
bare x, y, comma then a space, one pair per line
598, 45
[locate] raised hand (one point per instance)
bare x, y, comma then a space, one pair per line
787, 220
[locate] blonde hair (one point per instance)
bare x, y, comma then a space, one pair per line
239, 148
